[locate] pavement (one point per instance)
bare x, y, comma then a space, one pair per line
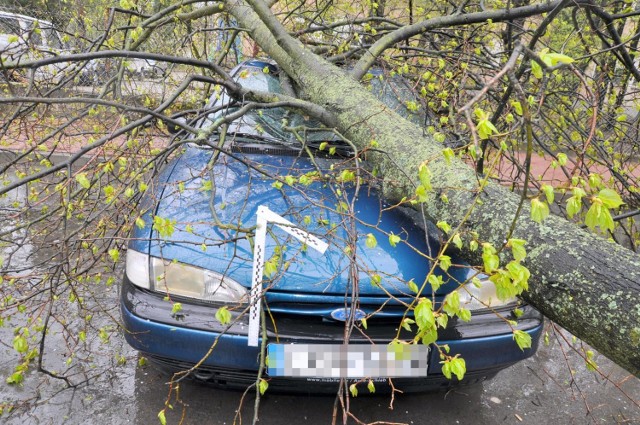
552, 387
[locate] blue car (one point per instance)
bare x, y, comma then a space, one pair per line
269, 239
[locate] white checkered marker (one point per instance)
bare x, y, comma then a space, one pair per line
265, 216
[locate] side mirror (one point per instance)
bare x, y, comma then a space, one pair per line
174, 126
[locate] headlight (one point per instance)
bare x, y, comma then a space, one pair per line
480, 294
137, 268
176, 278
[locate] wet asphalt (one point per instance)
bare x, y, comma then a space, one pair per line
553, 387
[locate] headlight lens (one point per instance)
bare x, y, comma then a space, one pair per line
180, 279
176, 278
481, 294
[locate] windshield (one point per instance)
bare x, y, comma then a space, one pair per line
284, 126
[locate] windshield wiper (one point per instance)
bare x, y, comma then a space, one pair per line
248, 138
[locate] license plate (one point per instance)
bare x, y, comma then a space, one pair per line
347, 361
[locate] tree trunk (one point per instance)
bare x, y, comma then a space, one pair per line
584, 283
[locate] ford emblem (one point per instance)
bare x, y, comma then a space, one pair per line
342, 314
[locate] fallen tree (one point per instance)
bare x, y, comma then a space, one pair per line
578, 279
586, 284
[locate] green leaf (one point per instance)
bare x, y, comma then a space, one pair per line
490, 260
519, 274
522, 338
456, 366
444, 262
421, 193
346, 175
457, 241
517, 248
595, 180
114, 253
442, 320
15, 378
464, 314
552, 59
591, 364
164, 226
371, 241
444, 226
271, 266
353, 389
425, 176
562, 159
539, 210
517, 106
448, 155
509, 119
20, 344
536, 70
375, 279
83, 180
176, 308
223, 316
429, 335
424, 314
162, 418
412, 286
599, 215
393, 240
435, 281
486, 128
451, 304
406, 323
371, 387
610, 198
549, 192
290, 180
574, 205
263, 386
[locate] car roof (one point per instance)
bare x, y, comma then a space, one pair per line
25, 18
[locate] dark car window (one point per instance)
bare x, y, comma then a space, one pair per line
293, 128
271, 123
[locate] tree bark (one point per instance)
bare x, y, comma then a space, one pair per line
586, 284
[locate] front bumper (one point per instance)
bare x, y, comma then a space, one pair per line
194, 336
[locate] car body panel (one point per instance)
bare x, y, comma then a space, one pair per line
210, 196
242, 190
486, 342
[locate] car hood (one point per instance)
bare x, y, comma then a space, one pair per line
206, 209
